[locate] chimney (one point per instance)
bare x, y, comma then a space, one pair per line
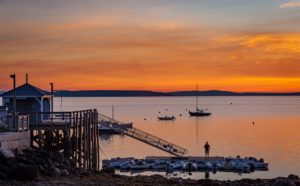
26, 78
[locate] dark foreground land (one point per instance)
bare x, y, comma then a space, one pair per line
33, 167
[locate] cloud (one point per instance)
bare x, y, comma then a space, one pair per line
290, 5
106, 53
287, 43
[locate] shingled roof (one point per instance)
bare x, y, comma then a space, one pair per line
26, 90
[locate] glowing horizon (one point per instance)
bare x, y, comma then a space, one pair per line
151, 45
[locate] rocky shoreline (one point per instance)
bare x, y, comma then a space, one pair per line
35, 167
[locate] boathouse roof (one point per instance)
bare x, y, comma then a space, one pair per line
26, 90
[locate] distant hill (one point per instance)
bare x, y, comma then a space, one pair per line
138, 93
228, 93
204, 93
109, 93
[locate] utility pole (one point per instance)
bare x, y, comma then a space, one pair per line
51, 115
112, 112
13, 76
51, 84
197, 98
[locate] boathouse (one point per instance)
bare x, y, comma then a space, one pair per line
3, 113
28, 99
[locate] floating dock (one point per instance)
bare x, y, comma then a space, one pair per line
189, 164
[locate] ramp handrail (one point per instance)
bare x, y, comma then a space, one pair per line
145, 137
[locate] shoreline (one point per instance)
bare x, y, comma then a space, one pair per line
37, 167
101, 178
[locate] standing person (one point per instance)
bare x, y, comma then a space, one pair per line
207, 148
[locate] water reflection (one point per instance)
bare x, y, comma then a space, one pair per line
274, 135
206, 175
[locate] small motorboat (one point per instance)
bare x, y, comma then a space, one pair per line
189, 166
259, 165
166, 118
219, 165
201, 165
115, 164
139, 164
240, 166
126, 165
176, 165
209, 165
227, 166
159, 165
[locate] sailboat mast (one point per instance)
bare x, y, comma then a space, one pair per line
197, 98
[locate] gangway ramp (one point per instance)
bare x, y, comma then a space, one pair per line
144, 136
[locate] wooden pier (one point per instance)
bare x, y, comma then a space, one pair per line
75, 133
144, 137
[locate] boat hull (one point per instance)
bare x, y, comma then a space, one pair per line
199, 114
167, 118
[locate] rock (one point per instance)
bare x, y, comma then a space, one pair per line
85, 173
25, 160
297, 182
3, 172
108, 170
18, 152
55, 172
42, 169
64, 172
24, 172
209, 182
57, 156
293, 177
4, 169
283, 182
7, 156
3, 176
50, 163
40, 161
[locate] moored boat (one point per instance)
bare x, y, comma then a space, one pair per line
166, 118
176, 165
139, 164
199, 112
230, 164
159, 165
126, 165
201, 165
189, 166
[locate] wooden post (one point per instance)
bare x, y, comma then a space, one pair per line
80, 139
97, 142
84, 140
89, 138
76, 137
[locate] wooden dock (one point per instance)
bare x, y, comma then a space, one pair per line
191, 158
75, 133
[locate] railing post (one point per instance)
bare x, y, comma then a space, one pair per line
22, 123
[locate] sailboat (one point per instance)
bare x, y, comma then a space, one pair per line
199, 112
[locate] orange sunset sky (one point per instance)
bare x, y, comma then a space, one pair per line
166, 45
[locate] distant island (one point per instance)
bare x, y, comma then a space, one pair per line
139, 93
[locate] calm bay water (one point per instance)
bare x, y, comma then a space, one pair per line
275, 136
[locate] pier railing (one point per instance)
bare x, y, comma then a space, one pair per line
17, 123
49, 119
144, 137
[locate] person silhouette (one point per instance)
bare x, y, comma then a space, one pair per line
207, 148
